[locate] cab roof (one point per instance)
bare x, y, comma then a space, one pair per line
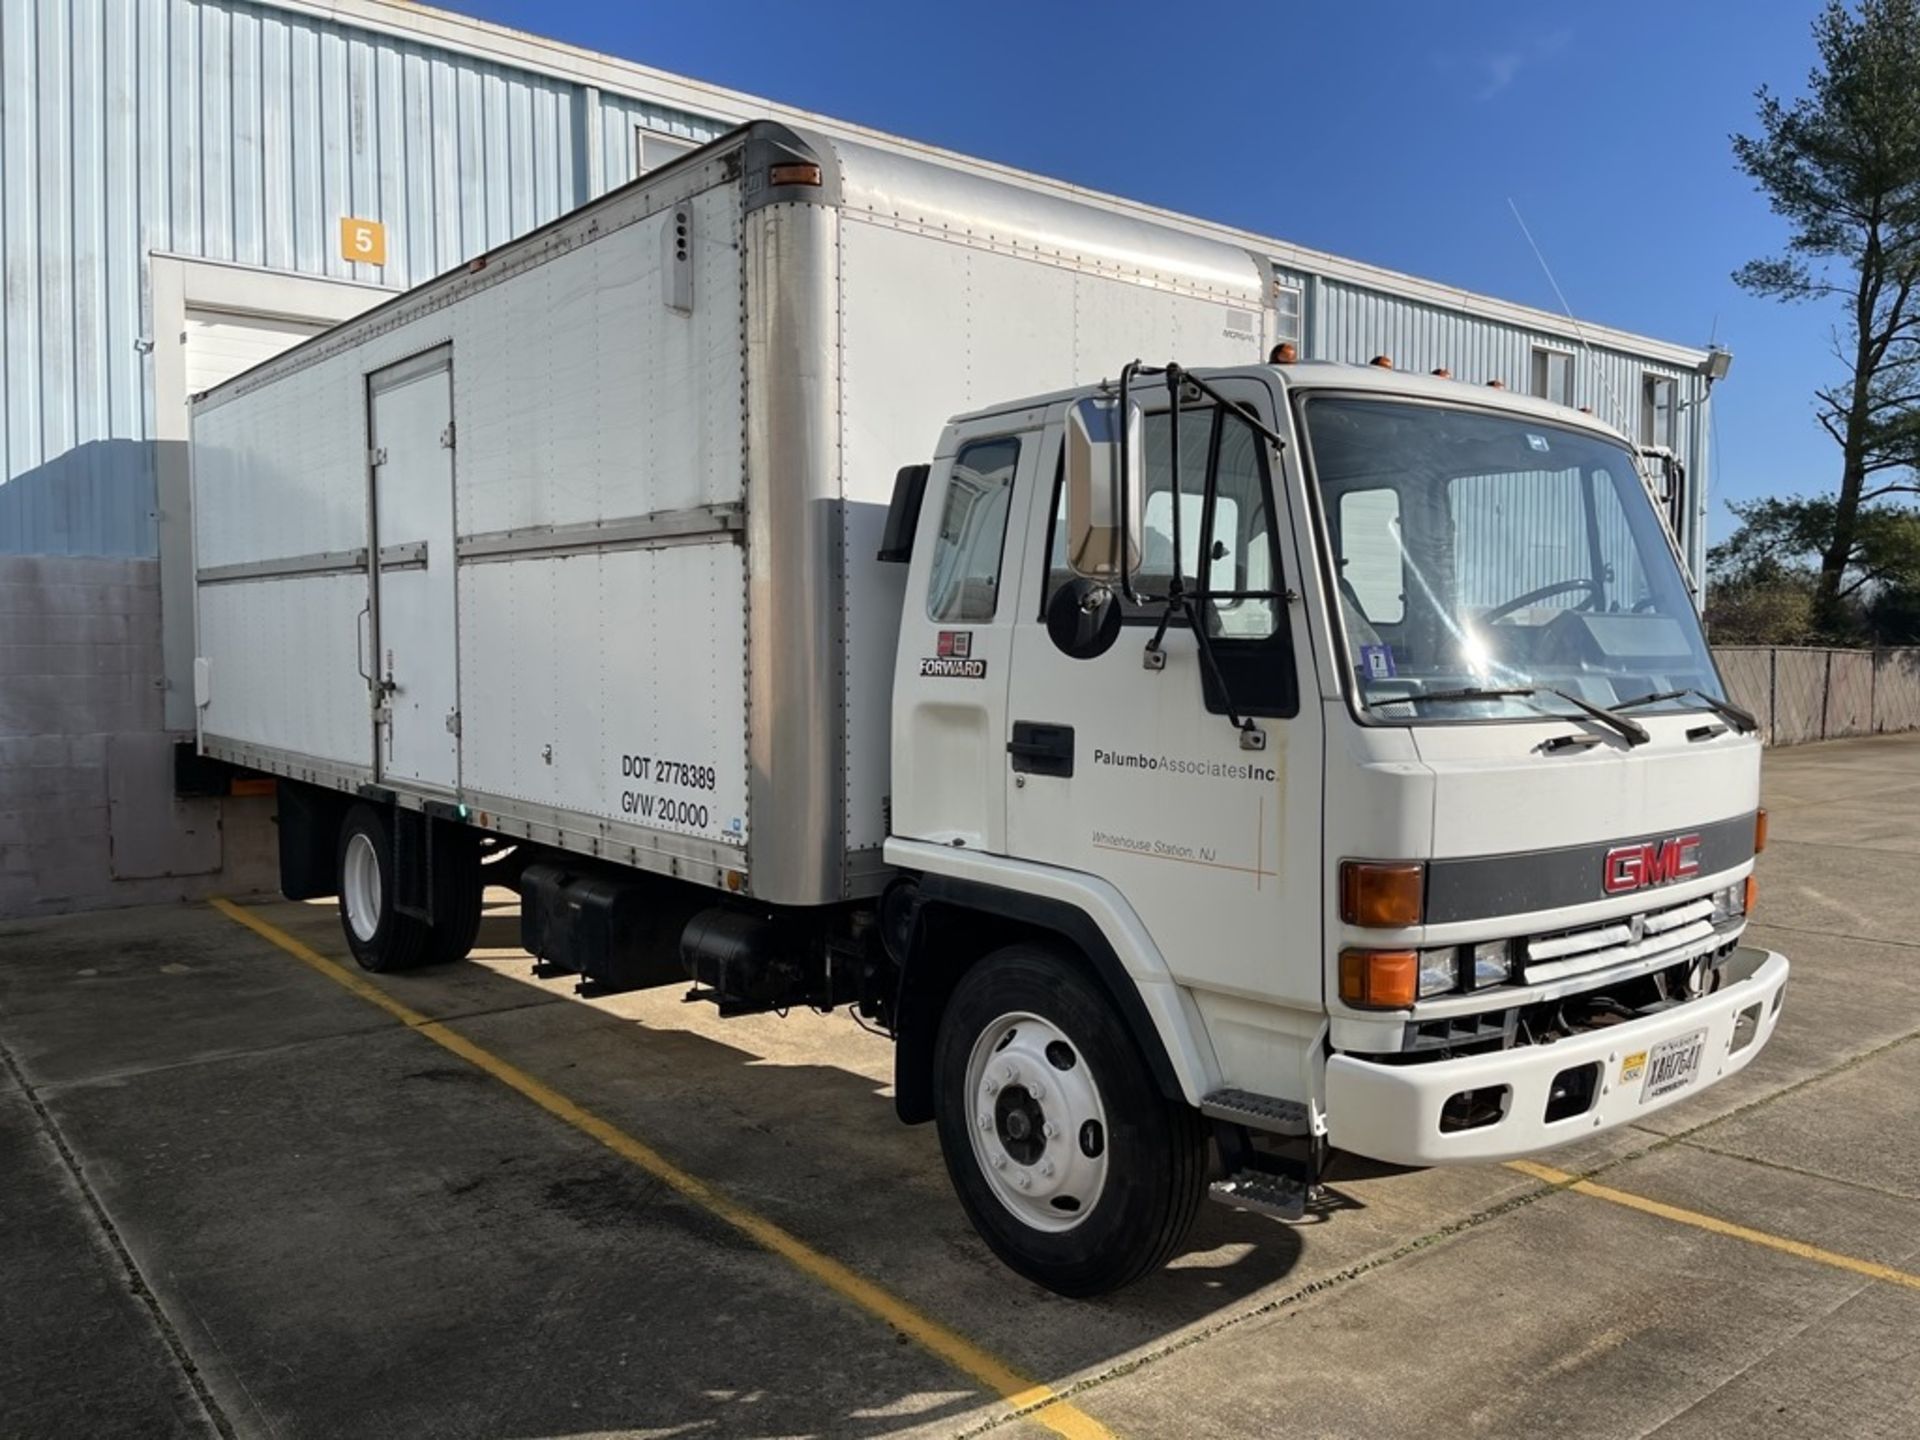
1311, 375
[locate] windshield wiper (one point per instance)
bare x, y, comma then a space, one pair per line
1513, 691
1632, 731
1742, 720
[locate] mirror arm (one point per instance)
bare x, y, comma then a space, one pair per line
1127, 372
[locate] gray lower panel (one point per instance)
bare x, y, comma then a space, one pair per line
1482, 886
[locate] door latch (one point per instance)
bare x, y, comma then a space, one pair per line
1038, 748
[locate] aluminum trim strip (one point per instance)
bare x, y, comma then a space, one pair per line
328, 562
699, 525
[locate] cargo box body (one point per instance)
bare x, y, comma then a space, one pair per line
582, 537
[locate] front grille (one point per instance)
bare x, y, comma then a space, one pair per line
1616, 942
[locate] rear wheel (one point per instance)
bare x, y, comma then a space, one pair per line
380, 937
457, 888
1070, 1163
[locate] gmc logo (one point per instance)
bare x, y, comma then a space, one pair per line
1657, 862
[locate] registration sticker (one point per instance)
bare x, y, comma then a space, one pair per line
1673, 1065
1633, 1067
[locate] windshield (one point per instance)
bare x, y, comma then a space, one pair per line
1474, 551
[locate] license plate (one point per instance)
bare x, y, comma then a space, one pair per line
1673, 1065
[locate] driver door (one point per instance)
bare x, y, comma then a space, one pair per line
1140, 776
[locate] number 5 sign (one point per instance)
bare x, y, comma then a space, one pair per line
363, 240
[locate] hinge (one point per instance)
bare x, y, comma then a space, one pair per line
446, 437
453, 722
377, 456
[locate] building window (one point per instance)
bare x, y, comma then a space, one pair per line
651, 149
965, 583
1553, 375
1288, 310
1659, 411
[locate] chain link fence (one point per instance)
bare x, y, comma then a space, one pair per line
1803, 693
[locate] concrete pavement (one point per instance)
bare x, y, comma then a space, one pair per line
242, 1200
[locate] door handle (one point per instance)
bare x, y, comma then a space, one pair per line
1039, 748
360, 628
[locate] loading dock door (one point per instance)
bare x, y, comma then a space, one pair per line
222, 343
410, 430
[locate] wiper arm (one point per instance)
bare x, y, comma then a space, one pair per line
1741, 720
1632, 731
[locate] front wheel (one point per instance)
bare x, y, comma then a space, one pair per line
1070, 1163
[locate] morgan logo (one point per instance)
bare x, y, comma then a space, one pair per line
1656, 862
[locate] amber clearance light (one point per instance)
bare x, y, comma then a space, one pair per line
1759, 830
1379, 979
1382, 896
793, 172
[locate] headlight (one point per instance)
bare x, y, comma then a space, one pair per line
1492, 963
1439, 971
1730, 903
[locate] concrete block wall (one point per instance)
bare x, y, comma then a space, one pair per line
81, 704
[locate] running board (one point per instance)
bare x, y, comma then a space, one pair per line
1256, 1112
1280, 1196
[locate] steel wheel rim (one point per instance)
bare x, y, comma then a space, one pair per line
360, 887
1036, 1121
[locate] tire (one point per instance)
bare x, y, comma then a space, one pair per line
458, 885
1100, 1207
380, 938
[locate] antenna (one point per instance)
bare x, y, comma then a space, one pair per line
1613, 397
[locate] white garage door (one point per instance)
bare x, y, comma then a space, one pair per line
222, 343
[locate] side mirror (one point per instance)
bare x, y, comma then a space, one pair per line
1083, 619
1104, 502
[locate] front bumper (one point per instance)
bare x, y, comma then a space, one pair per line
1393, 1112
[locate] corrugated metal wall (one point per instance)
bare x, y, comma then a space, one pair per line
1354, 324
232, 131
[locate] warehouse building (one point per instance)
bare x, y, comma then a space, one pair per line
192, 185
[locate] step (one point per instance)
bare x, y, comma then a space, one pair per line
1256, 1112
1275, 1195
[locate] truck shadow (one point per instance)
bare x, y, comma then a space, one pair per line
791, 1116
536, 1282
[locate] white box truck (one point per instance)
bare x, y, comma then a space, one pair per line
1252, 759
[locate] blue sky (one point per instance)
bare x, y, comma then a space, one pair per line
1393, 132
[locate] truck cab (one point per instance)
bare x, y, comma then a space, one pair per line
1337, 758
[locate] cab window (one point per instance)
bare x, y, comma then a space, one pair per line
1232, 553
965, 581
1237, 539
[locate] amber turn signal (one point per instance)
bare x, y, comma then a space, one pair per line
1379, 979
1380, 896
1759, 830
1753, 893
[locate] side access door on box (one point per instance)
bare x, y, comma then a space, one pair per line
415, 671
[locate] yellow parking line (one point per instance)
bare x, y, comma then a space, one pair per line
1038, 1401
1870, 1268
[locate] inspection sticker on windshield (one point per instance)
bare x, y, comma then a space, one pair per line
1671, 1065
1377, 661
1538, 442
